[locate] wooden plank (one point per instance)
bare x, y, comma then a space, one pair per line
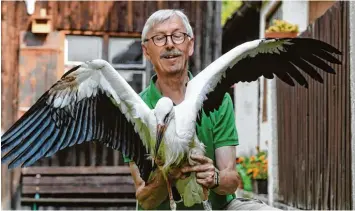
78, 200
9, 64
53, 11
302, 124
288, 146
330, 132
138, 18
317, 142
82, 189
293, 139
151, 7
342, 154
99, 170
77, 180
313, 137
75, 14
113, 17
348, 204
122, 16
67, 16
280, 107
335, 19
129, 18
198, 39
160, 4
296, 141
324, 147
207, 35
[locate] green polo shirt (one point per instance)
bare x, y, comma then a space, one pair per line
216, 131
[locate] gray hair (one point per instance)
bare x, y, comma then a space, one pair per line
162, 15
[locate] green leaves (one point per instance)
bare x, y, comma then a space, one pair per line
228, 8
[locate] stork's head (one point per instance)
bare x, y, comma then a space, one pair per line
97, 63
164, 111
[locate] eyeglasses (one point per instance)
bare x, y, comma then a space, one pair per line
161, 39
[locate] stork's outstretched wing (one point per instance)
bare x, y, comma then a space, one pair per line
84, 105
264, 57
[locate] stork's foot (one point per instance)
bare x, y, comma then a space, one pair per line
207, 205
205, 202
172, 205
171, 198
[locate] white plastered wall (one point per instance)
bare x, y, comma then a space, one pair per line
246, 115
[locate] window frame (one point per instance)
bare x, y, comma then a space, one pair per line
104, 54
66, 53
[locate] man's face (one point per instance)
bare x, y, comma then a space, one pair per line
170, 58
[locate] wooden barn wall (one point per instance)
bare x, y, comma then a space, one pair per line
314, 127
117, 18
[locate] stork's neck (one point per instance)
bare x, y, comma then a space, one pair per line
173, 86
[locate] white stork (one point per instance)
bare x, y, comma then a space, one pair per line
92, 102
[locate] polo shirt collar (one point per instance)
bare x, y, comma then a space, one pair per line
153, 92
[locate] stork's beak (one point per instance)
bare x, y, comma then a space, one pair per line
160, 133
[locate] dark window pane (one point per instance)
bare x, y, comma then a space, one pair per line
125, 52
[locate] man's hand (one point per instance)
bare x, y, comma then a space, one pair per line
152, 194
229, 179
205, 171
174, 173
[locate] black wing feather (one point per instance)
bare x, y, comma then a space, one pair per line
299, 56
44, 130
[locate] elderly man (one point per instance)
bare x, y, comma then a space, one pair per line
168, 42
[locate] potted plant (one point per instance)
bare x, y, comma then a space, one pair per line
281, 29
242, 171
257, 169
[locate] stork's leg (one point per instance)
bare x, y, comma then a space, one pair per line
206, 203
171, 198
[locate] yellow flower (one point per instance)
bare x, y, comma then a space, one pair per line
256, 173
262, 157
252, 158
250, 171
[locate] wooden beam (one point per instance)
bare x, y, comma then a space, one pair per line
78, 180
77, 200
99, 170
101, 33
78, 189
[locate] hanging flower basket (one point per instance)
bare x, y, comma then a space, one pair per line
281, 29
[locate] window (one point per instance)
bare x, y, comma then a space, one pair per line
124, 54
82, 48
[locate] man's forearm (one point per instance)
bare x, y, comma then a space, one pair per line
229, 182
151, 195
